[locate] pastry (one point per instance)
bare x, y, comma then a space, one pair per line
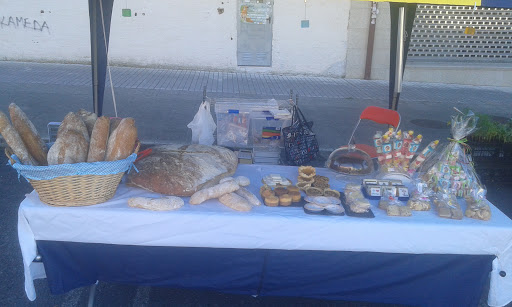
308, 180
285, 200
295, 195
332, 193
29, 135
321, 178
307, 172
320, 184
312, 191
280, 191
272, 201
267, 193
293, 189
263, 188
303, 185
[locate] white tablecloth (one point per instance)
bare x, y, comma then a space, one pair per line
213, 225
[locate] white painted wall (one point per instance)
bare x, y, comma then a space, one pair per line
189, 34
66, 39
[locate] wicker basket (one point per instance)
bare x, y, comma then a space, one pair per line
75, 190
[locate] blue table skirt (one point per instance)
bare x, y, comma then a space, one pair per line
410, 279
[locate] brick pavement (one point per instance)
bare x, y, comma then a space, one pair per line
238, 83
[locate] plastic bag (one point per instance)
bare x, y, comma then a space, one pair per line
477, 206
451, 170
203, 126
420, 198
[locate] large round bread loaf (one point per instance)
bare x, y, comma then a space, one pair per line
99, 139
121, 142
73, 122
28, 133
70, 147
182, 170
14, 141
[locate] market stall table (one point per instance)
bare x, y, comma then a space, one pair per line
281, 251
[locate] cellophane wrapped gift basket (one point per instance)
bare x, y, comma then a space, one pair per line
450, 170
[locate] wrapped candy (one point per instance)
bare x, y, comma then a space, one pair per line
397, 149
450, 170
415, 164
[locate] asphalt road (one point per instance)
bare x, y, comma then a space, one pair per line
162, 116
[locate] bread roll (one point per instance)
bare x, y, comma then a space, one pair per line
75, 123
251, 198
99, 139
213, 192
70, 147
28, 133
235, 202
13, 139
122, 141
88, 118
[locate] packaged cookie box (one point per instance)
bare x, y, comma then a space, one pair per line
374, 189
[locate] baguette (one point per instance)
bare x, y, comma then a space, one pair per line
99, 140
122, 141
28, 133
214, 192
13, 139
235, 202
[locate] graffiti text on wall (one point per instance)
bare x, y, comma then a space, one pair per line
23, 23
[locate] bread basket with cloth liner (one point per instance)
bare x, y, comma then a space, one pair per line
73, 185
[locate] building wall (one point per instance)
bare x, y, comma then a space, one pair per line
190, 34
487, 74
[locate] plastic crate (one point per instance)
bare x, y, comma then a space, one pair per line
233, 119
266, 130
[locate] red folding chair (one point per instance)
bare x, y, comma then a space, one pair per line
378, 115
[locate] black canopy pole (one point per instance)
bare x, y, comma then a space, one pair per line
402, 21
99, 48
